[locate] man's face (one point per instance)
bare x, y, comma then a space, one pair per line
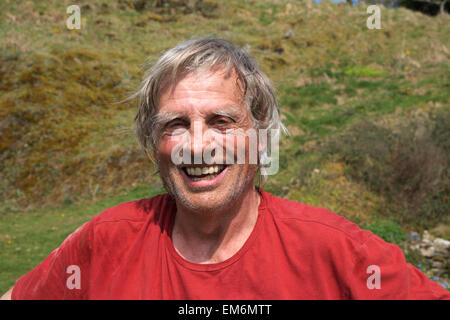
204, 102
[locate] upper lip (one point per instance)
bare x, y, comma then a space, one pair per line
201, 165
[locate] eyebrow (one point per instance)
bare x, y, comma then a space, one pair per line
163, 118
230, 111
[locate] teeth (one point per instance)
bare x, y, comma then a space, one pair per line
202, 178
197, 171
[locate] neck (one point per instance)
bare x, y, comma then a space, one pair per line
212, 237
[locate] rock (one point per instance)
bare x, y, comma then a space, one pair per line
414, 236
441, 248
426, 235
441, 244
426, 238
427, 252
435, 251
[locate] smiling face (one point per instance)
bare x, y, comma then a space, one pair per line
199, 103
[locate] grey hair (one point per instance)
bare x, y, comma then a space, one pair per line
206, 53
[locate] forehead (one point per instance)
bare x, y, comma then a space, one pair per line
202, 91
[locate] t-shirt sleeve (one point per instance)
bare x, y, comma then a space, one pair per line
380, 271
63, 274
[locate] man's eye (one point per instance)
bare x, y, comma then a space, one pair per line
176, 124
222, 121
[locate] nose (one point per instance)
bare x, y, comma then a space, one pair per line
199, 141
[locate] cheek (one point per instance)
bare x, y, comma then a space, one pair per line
166, 146
244, 148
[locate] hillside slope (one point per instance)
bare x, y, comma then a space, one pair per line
65, 137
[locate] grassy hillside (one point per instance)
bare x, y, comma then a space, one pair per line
368, 110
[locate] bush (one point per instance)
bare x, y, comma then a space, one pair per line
431, 8
389, 231
408, 164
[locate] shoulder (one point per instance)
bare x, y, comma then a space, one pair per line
122, 223
317, 222
119, 226
134, 211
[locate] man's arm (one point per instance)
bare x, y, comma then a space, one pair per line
381, 272
7, 295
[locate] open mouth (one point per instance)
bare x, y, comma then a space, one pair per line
203, 172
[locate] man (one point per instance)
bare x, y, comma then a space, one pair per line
215, 235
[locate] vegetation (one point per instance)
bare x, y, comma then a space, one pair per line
431, 7
388, 231
367, 110
407, 163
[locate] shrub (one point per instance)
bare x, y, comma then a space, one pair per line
408, 164
389, 231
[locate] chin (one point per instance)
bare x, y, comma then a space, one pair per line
212, 198
206, 201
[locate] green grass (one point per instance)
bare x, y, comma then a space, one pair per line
365, 71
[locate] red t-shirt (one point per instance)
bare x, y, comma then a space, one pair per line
294, 252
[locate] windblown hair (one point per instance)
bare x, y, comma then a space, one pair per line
207, 53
